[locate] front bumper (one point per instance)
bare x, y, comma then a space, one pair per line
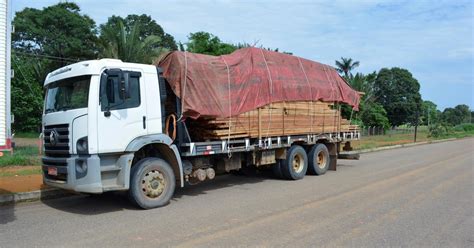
70, 178
88, 174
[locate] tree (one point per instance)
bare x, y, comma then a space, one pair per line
26, 96
207, 43
43, 41
375, 115
399, 94
429, 113
58, 32
345, 66
126, 43
362, 83
457, 115
147, 27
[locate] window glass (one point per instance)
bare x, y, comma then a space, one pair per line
110, 93
66, 94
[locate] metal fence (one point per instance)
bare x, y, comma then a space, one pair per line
372, 131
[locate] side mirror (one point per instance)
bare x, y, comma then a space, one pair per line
110, 90
125, 86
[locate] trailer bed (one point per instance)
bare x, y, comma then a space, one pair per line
244, 145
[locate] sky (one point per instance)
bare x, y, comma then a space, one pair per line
432, 39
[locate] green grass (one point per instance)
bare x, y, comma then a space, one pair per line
30, 135
370, 142
458, 135
27, 155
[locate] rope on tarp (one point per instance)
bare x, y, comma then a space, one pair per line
229, 154
350, 119
271, 91
330, 82
311, 93
184, 84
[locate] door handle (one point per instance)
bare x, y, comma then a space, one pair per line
144, 122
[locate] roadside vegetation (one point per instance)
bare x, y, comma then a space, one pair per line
22, 156
424, 133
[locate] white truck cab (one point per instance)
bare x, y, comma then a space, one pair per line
96, 115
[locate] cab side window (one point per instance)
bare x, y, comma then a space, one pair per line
111, 96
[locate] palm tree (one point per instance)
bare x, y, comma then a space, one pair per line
364, 83
346, 65
125, 44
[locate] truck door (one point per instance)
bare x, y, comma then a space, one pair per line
122, 109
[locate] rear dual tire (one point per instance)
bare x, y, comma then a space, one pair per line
319, 159
295, 165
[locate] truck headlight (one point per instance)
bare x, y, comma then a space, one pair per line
82, 146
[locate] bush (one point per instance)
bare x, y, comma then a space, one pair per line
438, 130
465, 127
374, 115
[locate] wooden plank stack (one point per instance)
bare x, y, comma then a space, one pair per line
276, 119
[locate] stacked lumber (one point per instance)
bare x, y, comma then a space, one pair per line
276, 119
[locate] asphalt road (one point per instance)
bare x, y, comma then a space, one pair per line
411, 197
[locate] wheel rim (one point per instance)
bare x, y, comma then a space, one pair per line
298, 163
321, 160
153, 184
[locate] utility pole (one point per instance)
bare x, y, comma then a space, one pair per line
416, 123
428, 111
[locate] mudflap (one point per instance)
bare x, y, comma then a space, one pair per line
333, 149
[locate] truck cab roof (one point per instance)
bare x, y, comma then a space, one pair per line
95, 67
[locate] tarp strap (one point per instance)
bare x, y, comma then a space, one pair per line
350, 119
184, 83
230, 108
338, 86
311, 92
271, 91
330, 83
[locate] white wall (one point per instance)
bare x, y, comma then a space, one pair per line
3, 72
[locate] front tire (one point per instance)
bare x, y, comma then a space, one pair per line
152, 183
296, 163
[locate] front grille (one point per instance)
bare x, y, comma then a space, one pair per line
60, 164
60, 146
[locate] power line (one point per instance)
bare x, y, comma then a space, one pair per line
47, 56
24, 77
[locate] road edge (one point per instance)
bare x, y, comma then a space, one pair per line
382, 148
56, 193
33, 196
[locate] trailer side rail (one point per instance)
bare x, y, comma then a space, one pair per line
245, 145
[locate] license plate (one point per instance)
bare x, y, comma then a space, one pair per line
53, 171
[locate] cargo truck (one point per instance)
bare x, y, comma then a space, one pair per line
109, 125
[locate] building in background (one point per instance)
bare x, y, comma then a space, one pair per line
5, 75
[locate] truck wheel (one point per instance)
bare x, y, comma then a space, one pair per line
296, 163
318, 162
152, 183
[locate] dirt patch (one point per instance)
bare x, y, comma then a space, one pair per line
13, 169
17, 184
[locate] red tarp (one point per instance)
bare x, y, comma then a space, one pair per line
228, 85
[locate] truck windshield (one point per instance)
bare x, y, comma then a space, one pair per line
66, 94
